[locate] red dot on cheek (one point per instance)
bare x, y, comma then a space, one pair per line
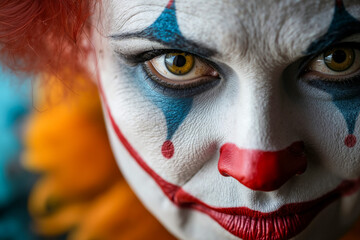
350, 140
167, 149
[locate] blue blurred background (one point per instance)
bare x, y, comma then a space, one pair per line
15, 182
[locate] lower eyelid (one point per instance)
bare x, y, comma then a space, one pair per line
176, 91
200, 69
329, 78
199, 72
173, 83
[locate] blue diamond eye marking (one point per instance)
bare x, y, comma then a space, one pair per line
166, 28
342, 25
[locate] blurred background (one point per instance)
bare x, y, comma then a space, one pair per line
15, 182
58, 177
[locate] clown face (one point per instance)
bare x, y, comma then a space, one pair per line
236, 119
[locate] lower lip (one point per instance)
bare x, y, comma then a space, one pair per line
284, 223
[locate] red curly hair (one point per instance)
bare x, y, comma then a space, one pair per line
44, 36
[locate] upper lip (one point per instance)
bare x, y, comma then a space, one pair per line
184, 199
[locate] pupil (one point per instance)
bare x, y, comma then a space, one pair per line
179, 61
339, 56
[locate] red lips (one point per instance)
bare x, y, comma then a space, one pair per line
262, 170
284, 223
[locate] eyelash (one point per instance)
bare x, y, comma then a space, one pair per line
168, 89
334, 80
187, 92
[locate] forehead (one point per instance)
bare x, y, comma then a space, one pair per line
235, 27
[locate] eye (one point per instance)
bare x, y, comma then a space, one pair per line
180, 70
335, 64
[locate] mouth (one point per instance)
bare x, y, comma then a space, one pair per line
284, 223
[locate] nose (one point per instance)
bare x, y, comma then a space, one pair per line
262, 170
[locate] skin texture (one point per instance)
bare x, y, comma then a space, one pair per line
260, 101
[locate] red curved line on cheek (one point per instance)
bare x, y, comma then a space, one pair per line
169, 189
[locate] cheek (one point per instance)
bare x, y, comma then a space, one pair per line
329, 129
174, 136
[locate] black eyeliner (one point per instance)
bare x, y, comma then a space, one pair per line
172, 90
144, 56
134, 59
307, 59
180, 93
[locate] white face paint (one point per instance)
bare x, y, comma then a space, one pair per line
257, 140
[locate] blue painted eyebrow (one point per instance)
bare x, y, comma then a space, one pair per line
166, 31
342, 26
186, 46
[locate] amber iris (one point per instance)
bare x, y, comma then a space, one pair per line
179, 63
339, 59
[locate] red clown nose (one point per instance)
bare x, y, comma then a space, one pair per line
262, 170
